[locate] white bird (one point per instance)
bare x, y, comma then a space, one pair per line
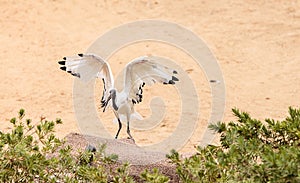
140, 71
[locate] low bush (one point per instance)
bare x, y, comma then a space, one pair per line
32, 153
250, 151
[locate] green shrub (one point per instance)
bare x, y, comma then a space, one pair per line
250, 151
155, 176
32, 153
26, 155
23, 150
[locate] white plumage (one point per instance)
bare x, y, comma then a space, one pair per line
139, 72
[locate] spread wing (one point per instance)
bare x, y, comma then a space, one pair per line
145, 71
87, 67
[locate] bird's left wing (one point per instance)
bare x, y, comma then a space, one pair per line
87, 67
145, 71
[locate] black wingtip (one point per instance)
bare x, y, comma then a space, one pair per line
175, 78
76, 74
171, 82
63, 68
80, 54
175, 72
62, 62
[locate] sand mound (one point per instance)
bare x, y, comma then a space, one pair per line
127, 151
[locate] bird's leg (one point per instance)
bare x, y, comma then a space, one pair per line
128, 132
120, 126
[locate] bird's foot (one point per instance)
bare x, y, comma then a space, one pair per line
131, 139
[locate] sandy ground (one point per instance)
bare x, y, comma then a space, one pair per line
257, 44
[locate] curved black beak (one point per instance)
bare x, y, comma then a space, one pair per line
109, 97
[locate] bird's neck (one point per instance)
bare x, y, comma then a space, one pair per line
114, 105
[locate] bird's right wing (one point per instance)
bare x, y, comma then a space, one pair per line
87, 67
144, 70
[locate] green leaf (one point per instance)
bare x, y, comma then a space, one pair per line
13, 121
21, 113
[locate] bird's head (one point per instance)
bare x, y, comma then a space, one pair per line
112, 93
